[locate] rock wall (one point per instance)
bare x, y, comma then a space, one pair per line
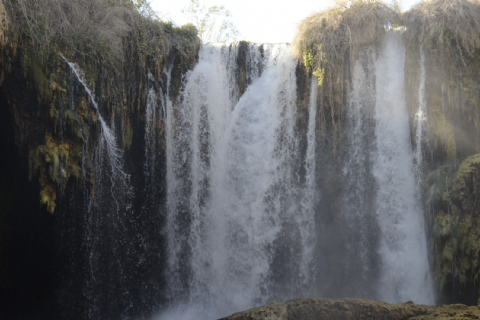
450, 144
61, 225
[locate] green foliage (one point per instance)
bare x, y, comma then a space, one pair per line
310, 59
213, 23
54, 163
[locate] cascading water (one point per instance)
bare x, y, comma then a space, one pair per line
241, 196
405, 270
227, 215
105, 260
358, 197
381, 196
240, 219
108, 136
421, 118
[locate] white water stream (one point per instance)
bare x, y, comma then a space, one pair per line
240, 212
234, 191
108, 136
421, 118
405, 271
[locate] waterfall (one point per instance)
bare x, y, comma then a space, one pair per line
240, 223
420, 116
403, 249
386, 237
108, 255
108, 136
357, 206
242, 195
305, 216
154, 115
228, 215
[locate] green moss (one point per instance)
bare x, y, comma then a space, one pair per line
456, 231
54, 164
436, 184
309, 59
314, 60
450, 180
466, 168
76, 125
73, 170
320, 74
48, 196
72, 117
458, 248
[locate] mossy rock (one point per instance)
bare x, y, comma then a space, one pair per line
466, 169
54, 163
325, 309
48, 195
456, 228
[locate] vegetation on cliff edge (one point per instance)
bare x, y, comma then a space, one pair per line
115, 42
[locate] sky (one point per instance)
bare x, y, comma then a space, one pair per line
259, 21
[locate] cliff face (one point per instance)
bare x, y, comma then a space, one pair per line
68, 196
450, 164
441, 77
449, 140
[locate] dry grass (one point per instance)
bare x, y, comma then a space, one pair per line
86, 25
449, 22
347, 23
328, 42
99, 29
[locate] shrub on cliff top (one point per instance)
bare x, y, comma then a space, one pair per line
329, 33
83, 25
449, 22
94, 28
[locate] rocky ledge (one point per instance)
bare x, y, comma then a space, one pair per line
326, 309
